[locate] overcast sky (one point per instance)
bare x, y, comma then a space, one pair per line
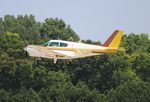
90, 19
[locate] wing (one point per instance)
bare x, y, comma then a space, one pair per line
63, 53
45, 52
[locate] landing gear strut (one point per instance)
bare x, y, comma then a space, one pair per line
55, 60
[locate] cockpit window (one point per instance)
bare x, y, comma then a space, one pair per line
54, 44
63, 45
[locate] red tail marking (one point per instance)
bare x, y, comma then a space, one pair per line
108, 41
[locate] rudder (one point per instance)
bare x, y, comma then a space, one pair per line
114, 40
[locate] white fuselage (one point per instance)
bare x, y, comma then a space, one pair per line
58, 49
72, 50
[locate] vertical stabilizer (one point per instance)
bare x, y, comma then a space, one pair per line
114, 40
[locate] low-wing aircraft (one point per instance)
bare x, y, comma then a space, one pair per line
59, 49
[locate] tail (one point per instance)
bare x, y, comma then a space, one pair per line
114, 40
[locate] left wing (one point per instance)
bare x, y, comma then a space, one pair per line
45, 52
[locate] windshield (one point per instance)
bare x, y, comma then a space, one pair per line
54, 44
46, 43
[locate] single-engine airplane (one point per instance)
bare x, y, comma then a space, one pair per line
59, 49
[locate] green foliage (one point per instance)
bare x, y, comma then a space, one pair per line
26, 26
136, 43
120, 77
10, 41
91, 42
132, 91
141, 64
23, 95
57, 29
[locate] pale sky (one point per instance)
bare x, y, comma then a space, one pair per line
90, 19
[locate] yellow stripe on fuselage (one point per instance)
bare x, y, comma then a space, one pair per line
75, 49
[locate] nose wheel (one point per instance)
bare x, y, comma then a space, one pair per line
69, 60
55, 60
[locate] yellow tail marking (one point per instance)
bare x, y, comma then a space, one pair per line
116, 41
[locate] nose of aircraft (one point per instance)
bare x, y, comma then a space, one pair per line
33, 50
37, 51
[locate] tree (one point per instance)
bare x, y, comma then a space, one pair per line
14, 68
141, 64
57, 29
26, 26
12, 44
135, 43
132, 91
1, 26
119, 77
123, 76
23, 95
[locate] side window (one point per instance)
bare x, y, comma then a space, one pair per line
54, 44
63, 45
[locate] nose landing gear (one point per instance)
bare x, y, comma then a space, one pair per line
55, 60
